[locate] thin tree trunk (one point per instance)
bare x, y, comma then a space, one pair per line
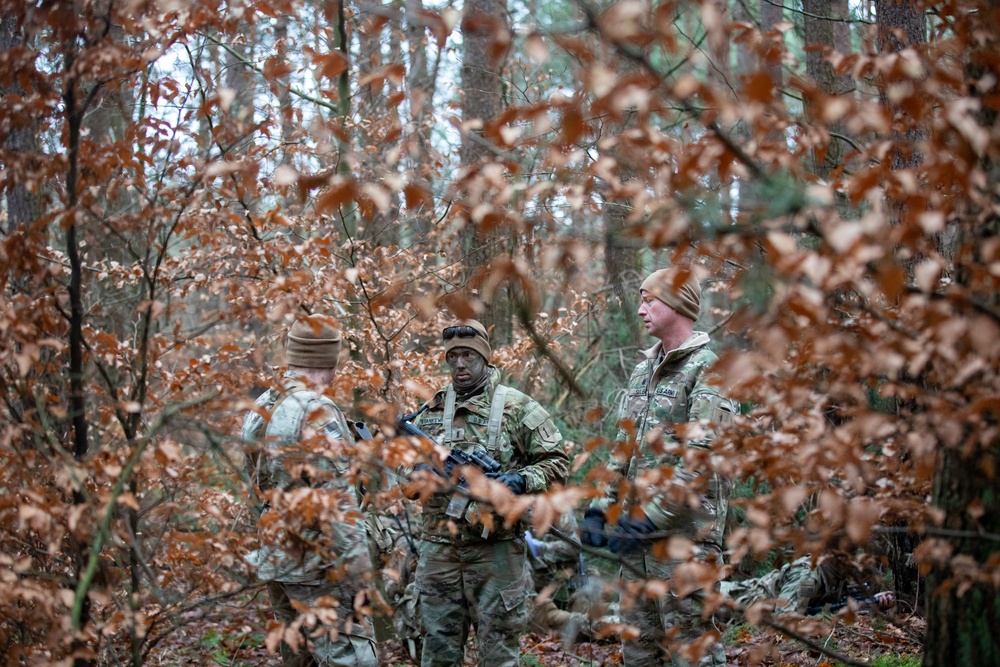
963, 610
23, 206
420, 85
819, 42
482, 87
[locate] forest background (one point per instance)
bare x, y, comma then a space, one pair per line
182, 179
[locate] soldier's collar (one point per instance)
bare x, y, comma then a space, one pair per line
658, 355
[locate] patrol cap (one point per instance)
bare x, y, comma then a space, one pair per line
470, 334
684, 298
313, 342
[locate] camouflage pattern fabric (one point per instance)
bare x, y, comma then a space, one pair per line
667, 388
801, 584
780, 586
528, 443
554, 566
666, 624
302, 452
463, 575
483, 582
353, 646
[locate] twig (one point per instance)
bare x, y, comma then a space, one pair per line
87, 576
816, 646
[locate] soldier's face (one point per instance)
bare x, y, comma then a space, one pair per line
467, 367
660, 319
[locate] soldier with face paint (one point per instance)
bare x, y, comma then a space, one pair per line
669, 386
466, 575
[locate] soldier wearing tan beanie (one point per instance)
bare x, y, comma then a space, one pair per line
677, 287
282, 431
313, 342
671, 384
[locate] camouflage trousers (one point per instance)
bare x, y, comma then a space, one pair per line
789, 588
348, 650
665, 624
461, 584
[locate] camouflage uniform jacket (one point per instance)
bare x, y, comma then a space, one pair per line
527, 442
303, 448
665, 389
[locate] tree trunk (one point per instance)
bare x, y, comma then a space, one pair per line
482, 87
819, 41
23, 206
420, 86
380, 127
239, 78
963, 594
770, 16
285, 108
900, 24
963, 614
621, 256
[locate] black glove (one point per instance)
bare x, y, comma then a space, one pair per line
423, 466
514, 481
629, 534
592, 528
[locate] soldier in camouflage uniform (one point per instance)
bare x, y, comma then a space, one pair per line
668, 387
465, 573
558, 569
804, 587
298, 443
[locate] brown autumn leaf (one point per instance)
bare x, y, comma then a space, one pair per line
330, 65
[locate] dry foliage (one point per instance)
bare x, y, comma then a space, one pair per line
182, 179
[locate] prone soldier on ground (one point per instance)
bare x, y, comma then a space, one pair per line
804, 587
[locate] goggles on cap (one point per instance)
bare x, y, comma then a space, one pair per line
462, 331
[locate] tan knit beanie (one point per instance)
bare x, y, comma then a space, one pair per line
684, 298
313, 342
480, 344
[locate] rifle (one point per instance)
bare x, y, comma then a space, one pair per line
859, 593
359, 430
459, 504
456, 457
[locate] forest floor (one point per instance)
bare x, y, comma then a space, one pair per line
882, 641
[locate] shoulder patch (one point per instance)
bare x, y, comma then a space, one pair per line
535, 415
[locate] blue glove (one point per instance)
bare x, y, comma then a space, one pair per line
592, 528
630, 534
514, 481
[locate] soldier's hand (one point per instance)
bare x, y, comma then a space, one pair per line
423, 466
592, 528
514, 481
629, 534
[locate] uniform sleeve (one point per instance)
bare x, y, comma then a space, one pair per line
332, 424
711, 410
547, 463
619, 461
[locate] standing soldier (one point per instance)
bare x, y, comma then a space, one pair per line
312, 534
670, 386
465, 573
